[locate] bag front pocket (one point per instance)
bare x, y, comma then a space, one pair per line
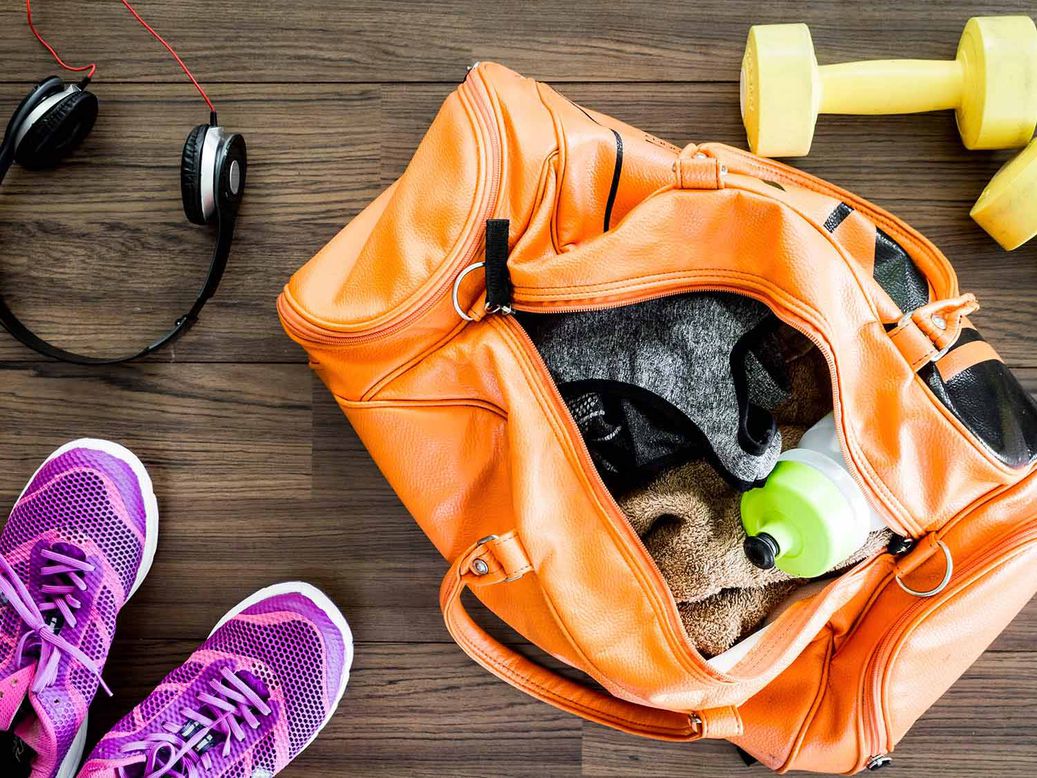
935, 640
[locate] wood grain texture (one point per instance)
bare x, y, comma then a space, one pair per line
260, 479
413, 41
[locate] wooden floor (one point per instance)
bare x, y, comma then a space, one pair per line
259, 477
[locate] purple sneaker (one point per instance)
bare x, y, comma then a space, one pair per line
77, 545
247, 702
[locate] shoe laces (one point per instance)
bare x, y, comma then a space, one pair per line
182, 751
64, 580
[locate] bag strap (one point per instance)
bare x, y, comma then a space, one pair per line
500, 559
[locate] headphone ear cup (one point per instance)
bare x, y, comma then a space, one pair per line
51, 85
230, 178
58, 132
190, 175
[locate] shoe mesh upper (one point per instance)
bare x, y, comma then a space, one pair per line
91, 501
288, 647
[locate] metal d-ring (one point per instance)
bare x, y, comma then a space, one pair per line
940, 586
457, 287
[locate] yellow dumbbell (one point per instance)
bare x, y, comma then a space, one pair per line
1007, 208
991, 85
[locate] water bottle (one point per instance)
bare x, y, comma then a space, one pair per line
810, 515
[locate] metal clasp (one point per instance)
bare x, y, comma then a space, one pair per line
943, 583
457, 287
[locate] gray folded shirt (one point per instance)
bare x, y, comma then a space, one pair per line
658, 383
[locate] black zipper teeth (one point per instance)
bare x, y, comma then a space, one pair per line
617, 171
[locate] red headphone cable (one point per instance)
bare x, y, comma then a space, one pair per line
180, 62
92, 67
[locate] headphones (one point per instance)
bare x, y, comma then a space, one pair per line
55, 117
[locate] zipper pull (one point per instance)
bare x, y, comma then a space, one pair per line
499, 290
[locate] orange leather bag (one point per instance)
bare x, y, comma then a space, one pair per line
457, 408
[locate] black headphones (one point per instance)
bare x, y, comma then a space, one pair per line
53, 120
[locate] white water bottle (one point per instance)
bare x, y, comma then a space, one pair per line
810, 515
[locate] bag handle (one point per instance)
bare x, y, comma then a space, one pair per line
499, 559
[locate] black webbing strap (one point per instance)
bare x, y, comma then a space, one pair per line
498, 280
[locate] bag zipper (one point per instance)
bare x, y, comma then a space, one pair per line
878, 217
678, 635
878, 664
475, 91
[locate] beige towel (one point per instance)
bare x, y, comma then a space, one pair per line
690, 522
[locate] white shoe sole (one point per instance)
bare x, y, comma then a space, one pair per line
324, 603
70, 764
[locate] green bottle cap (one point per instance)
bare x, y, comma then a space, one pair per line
799, 519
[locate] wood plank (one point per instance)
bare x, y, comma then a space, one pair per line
210, 435
404, 40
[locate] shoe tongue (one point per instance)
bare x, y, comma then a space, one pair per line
214, 737
12, 693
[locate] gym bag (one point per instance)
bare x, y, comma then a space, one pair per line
520, 204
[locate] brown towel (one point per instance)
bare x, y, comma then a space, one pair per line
690, 522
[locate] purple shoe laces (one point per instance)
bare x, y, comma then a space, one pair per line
182, 752
67, 572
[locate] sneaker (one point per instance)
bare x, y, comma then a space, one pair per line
77, 545
247, 702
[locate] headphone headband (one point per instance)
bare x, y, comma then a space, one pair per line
220, 254
53, 118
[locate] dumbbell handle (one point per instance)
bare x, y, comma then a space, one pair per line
891, 86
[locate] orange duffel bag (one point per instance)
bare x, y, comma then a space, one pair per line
520, 205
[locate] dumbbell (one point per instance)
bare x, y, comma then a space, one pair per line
991, 85
1007, 208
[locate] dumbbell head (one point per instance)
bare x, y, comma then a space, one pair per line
1007, 208
998, 57
779, 89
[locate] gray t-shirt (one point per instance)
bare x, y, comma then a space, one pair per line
661, 382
